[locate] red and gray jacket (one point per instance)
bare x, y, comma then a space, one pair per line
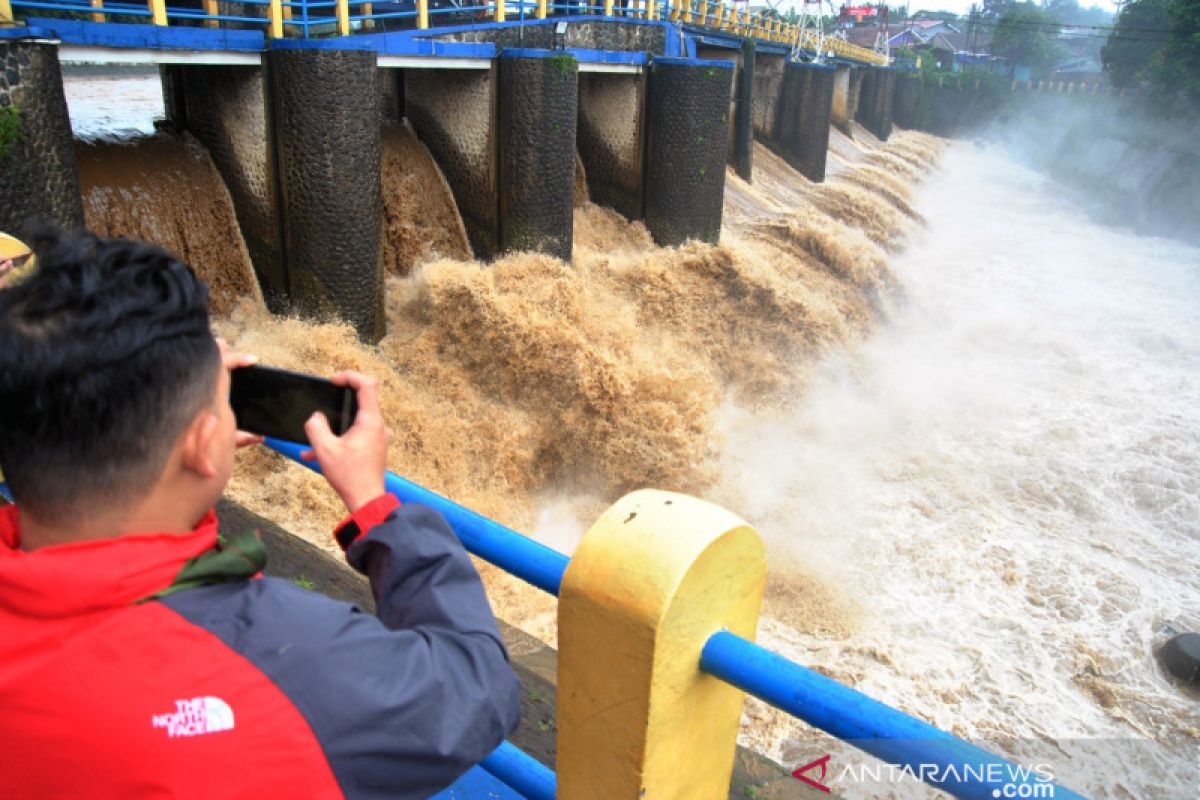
154, 665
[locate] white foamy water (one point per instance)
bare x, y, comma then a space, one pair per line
1006, 482
116, 104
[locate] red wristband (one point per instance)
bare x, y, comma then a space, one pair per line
366, 517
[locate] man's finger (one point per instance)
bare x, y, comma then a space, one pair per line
319, 433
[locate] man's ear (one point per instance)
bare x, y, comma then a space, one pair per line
196, 442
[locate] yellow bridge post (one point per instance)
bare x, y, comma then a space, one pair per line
500, 11
542, 9
608, 8
211, 10
653, 579
275, 12
367, 10
97, 16
158, 12
422, 14
703, 13
342, 9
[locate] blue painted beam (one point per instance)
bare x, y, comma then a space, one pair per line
963, 769
154, 37
522, 772
517, 554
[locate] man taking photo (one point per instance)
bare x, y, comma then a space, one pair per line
140, 655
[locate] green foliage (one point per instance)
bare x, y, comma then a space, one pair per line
10, 128
1026, 35
564, 65
1133, 53
1157, 42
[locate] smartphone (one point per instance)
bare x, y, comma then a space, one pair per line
277, 403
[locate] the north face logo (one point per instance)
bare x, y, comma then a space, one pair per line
196, 716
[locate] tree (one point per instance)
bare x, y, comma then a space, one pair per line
1180, 66
1134, 48
1026, 34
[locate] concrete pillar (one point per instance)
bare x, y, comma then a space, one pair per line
38, 175
227, 109
742, 144
326, 120
650, 582
612, 114
840, 112
875, 101
454, 114
538, 105
906, 106
802, 123
768, 83
856, 79
687, 128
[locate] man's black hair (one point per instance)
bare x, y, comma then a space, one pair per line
105, 355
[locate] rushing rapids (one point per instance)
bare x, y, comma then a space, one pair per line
968, 514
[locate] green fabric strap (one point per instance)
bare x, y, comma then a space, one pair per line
236, 559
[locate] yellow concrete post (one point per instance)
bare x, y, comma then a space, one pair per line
6, 14
608, 8
702, 14
422, 14
96, 15
687, 11
500, 11
651, 9
367, 10
653, 579
211, 10
342, 12
158, 12
275, 19
543, 9
287, 13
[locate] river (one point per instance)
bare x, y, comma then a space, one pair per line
995, 499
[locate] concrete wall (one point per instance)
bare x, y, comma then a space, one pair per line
875, 101
687, 124
38, 175
741, 136
840, 110
627, 36
804, 117
611, 139
454, 114
226, 108
325, 106
768, 83
538, 105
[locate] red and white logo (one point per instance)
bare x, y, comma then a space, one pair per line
821, 762
196, 716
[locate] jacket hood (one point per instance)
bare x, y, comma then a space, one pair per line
82, 577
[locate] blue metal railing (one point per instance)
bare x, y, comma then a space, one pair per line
945, 761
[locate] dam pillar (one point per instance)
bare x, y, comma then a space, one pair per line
741, 151
38, 175
906, 104
325, 107
687, 139
652, 579
875, 101
454, 113
768, 83
226, 108
803, 121
538, 94
840, 111
611, 139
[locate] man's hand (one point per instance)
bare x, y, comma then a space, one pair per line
232, 361
354, 462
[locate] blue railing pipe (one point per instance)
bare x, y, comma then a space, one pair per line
958, 767
521, 772
529, 560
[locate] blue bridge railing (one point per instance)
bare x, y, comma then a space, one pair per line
947, 762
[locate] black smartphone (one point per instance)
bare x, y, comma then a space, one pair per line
277, 403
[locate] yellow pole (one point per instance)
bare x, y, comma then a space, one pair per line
343, 17
368, 10
542, 9
275, 14
96, 15
653, 579
500, 11
422, 14
704, 13
210, 8
651, 9
687, 10
608, 8
6, 11
287, 13
158, 12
